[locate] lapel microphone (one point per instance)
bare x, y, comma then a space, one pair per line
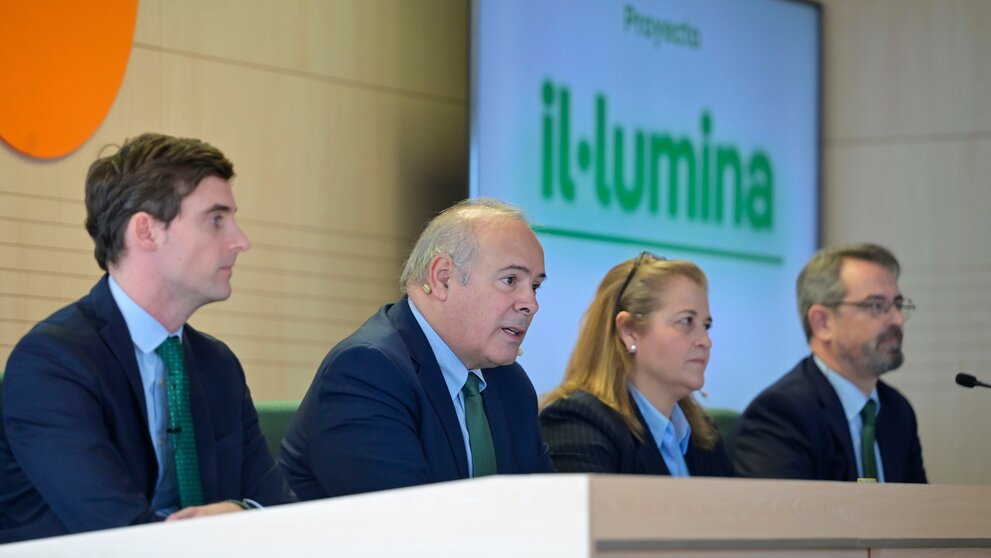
968, 381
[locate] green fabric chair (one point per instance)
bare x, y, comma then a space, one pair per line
273, 419
726, 420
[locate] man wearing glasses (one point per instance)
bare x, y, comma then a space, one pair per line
831, 418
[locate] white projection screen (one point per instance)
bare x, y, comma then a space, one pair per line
688, 128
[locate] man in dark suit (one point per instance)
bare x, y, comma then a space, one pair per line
115, 411
427, 390
831, 418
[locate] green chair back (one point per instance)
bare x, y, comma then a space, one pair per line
273, 419
726, 421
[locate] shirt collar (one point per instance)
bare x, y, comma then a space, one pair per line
851, 397
454, 371
662, 428
146, 332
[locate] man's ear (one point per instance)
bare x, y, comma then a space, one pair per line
821, 321
143, 232
440, 273
625, 329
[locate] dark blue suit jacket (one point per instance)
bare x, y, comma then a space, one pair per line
796, 429
586, 436
75, 451
379, 415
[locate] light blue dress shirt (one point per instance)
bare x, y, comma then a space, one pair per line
146, 335
455, 375
853, 401
670, 435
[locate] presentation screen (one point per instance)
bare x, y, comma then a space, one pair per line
686, 128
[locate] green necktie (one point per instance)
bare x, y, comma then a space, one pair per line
483, 460
867, 436
187, 463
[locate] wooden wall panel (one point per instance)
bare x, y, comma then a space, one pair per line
906, 68
346, 123
410, 47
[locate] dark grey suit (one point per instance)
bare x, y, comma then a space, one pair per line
586, 436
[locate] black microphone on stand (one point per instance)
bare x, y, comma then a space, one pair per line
968, 381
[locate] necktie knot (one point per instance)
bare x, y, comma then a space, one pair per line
170, 350
869, 413
472, 384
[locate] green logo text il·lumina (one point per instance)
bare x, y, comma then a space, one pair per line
701, 175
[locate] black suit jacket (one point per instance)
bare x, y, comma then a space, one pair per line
75, 450
796, 429
379, 415
586, 436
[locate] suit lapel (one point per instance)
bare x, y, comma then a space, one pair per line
431, 378
889, 424
118, 339
832, 409
200, 409
692, 459
648, 456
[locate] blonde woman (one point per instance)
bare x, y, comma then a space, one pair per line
626, 403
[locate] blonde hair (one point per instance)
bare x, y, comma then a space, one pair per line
600, 363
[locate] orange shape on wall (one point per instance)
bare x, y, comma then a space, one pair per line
61, 65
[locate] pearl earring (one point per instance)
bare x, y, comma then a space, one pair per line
633, 349
426, 288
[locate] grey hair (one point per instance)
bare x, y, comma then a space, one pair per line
819, 282
453, 232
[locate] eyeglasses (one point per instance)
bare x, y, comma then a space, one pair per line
633, 271
878, 306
